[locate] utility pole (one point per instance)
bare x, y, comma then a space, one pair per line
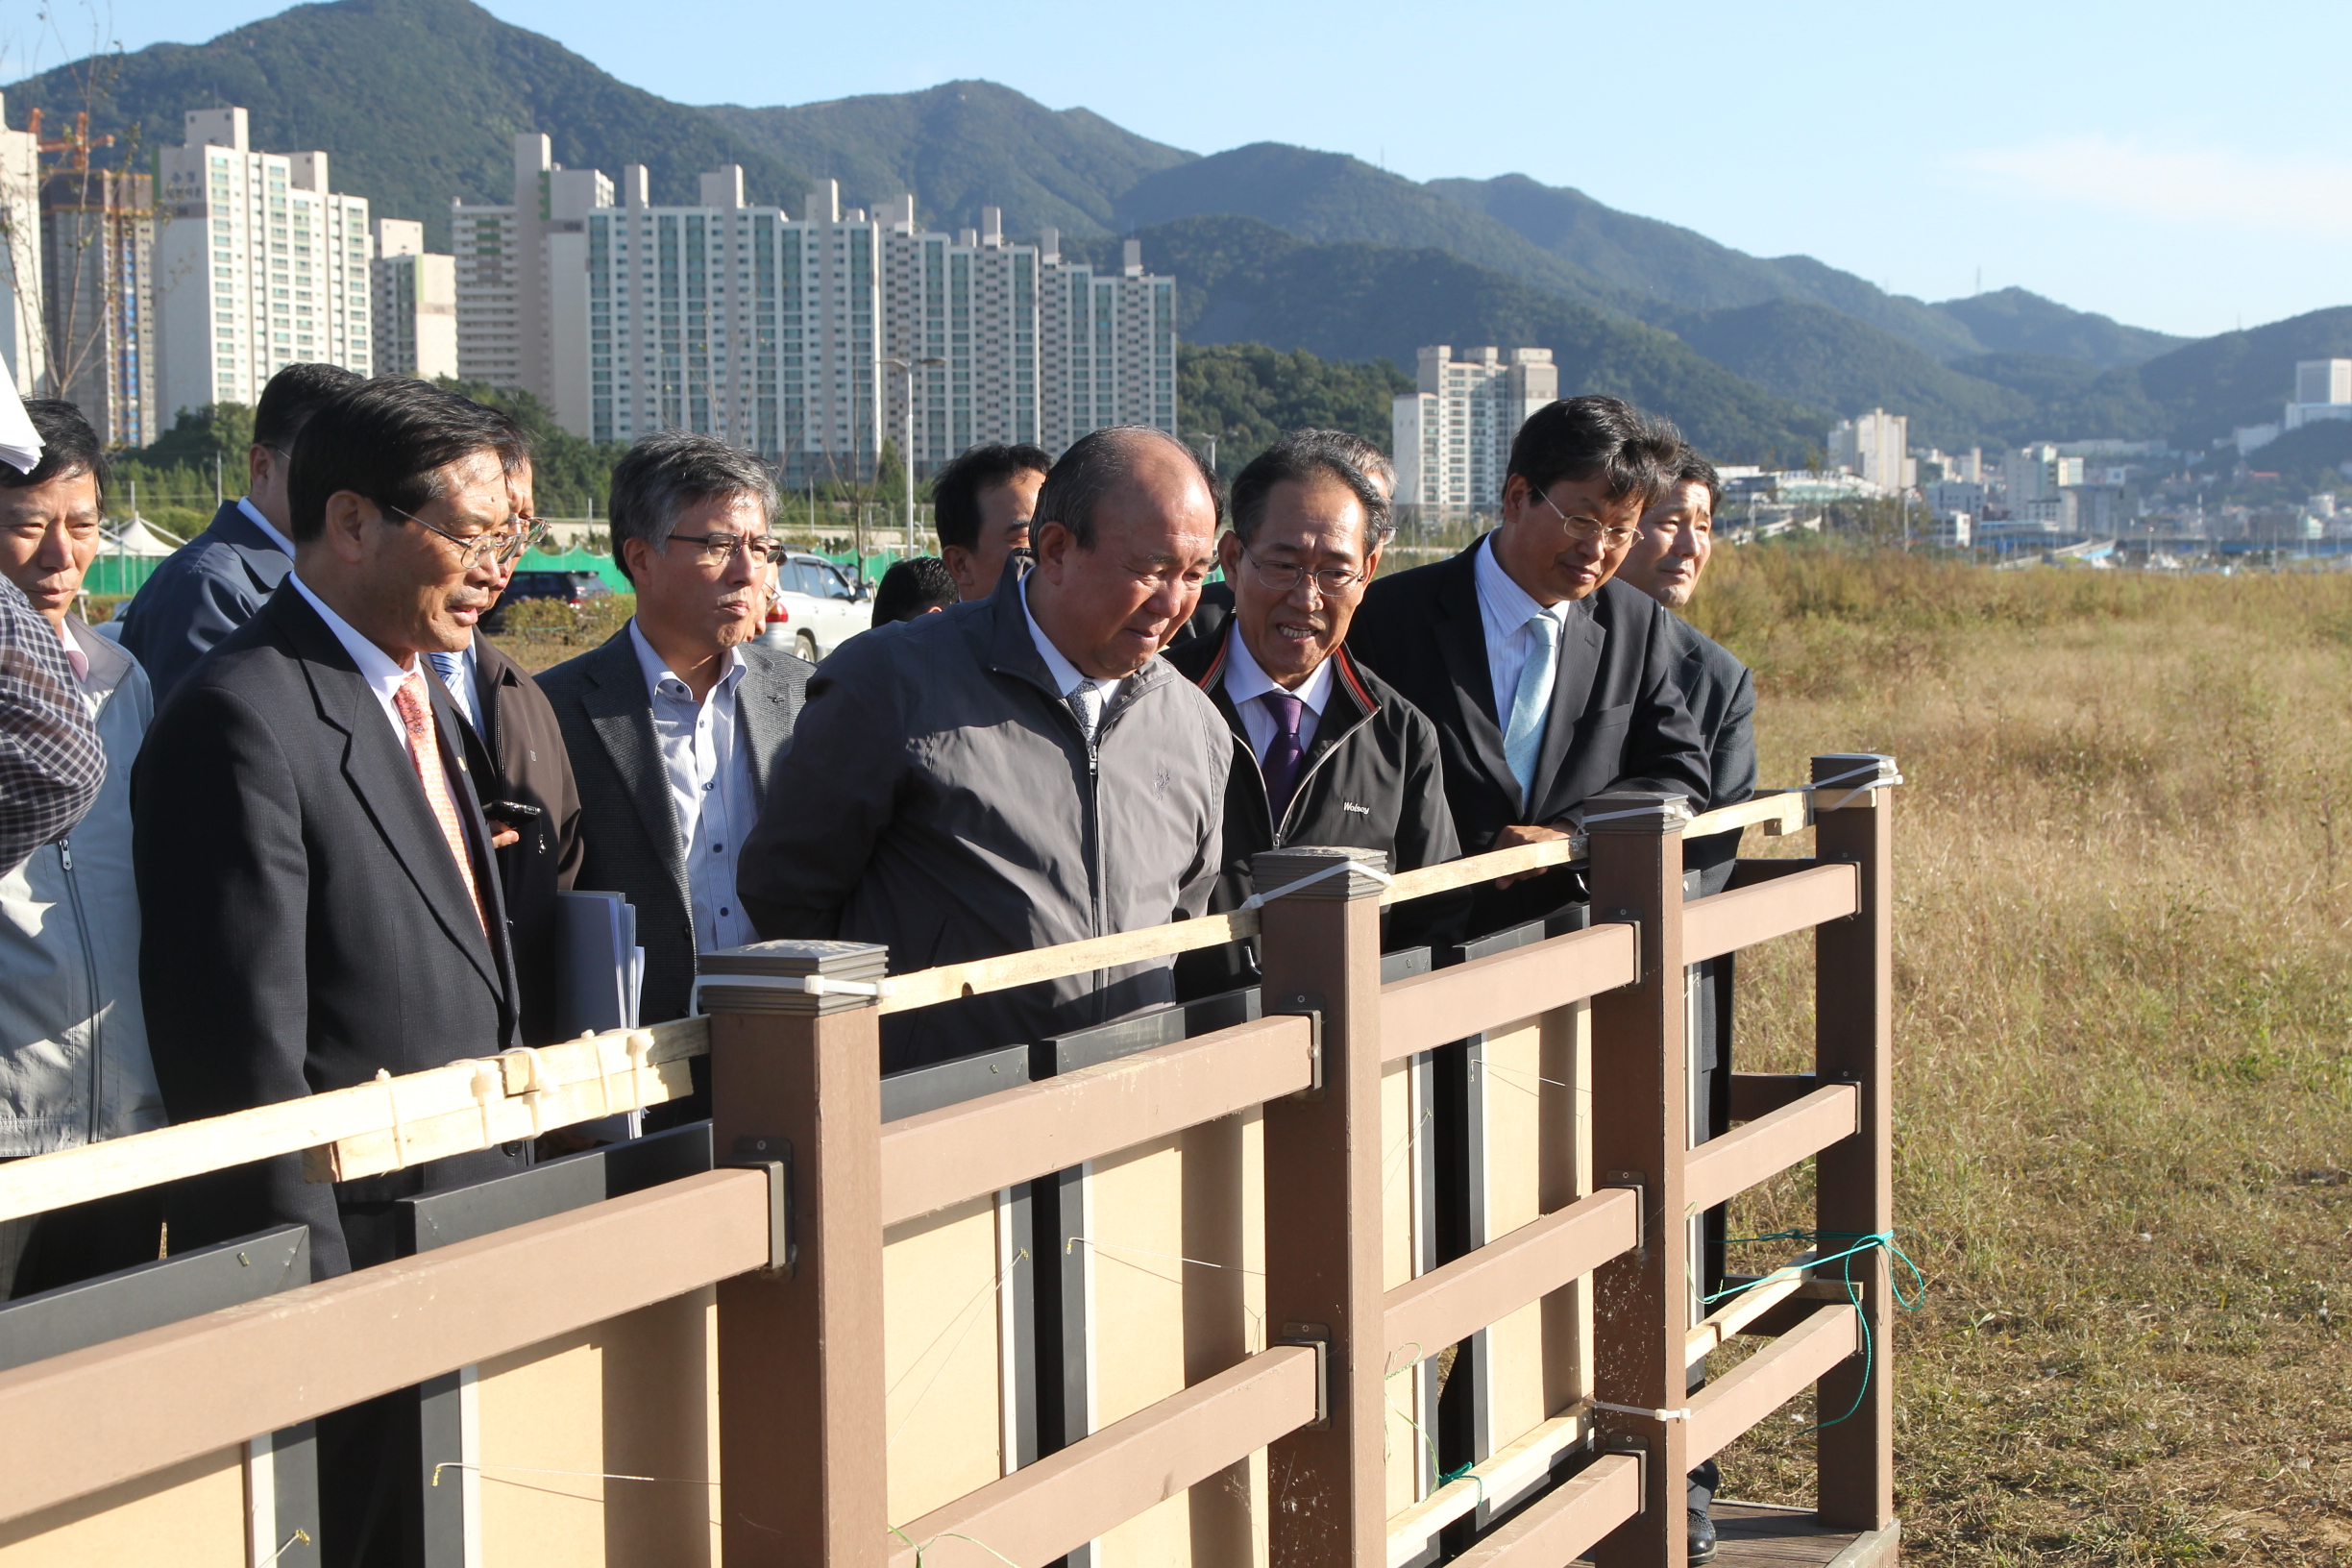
907, 449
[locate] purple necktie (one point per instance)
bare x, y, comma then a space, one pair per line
1282, 754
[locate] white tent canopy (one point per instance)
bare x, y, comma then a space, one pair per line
137, 538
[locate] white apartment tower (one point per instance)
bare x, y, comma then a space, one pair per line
416, 304
1452, 434
1106, 346
21, 341
261, 265
2323, 390
962, 311
513, 259
1876, 447
731, 320
98, 270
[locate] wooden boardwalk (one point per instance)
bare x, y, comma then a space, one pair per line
1757, 1535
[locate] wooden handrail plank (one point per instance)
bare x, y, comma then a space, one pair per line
1507, 1473
926, 987
1727, 922
946, 1156
1451, 1303
1757, 1095
1738, 1312
1724, 1168
1448, 1004
138, 1405
1563, 1524
1066, 1499
364, 1111
1771, 1378
1778, 812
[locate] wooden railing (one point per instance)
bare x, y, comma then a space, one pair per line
793, 1240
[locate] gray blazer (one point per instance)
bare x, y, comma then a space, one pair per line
210, 586
629, 829
1722, 698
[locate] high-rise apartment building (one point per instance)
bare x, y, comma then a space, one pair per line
1107, 345
513, 259
2323, 390
22, 341
1452, 434
960, 314
1876, 447
416, 304
98, 272
259, 265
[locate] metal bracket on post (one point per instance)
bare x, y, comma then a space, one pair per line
1308, 1005
1639, 1449
1640, 1185
773, 1155
1317, 1337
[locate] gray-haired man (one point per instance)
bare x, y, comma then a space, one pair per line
676, 723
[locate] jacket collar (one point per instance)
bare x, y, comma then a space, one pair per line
1460, 631
264, 562
622, 716
108, 665
1011, 652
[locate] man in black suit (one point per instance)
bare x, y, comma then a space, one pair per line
981, 504
1211, 616
674, 725
217, 581
1549, 683
1676, 539
316, 875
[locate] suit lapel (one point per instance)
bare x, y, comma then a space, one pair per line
376, 767
622, 715
1581, 641
265, 564
1460, 631
763, 713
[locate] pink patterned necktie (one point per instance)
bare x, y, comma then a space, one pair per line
425, 751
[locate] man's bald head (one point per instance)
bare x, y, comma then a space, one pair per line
1150, 463
1125, 530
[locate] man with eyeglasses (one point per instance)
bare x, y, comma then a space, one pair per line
1324, 752
678, 724
215, 583
1548, 684
314, 871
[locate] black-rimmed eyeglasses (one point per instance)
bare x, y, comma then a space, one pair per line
1284, 578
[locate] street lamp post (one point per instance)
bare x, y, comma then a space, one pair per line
906, 448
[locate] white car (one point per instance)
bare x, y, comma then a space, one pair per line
817, 608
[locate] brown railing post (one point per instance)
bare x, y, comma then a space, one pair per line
1641, 1135
796, 1077
1320, 948
1854, 1180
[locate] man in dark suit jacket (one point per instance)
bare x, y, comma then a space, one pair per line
674, 725
215, 583
1549, 683
315, 876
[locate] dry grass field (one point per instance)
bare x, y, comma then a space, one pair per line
2123, 1040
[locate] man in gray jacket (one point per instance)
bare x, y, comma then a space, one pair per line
1018, 772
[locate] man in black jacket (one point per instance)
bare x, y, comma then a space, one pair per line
1548, 684
1324, 752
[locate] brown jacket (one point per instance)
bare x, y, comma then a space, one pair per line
523, 758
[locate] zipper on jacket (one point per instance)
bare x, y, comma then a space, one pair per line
1298, 791
89, 969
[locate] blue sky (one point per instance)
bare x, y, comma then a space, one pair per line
2169, 166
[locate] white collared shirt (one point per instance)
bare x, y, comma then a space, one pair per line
252, 515
1505, 608
1066, 677
1246, 681
74, 654
712, 793
375, 667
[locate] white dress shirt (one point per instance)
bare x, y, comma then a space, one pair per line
252, 515
712, 793
1246, 681
1065, 675
375, 667
1505, 608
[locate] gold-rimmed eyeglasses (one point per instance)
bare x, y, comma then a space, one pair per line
1583, 531
718, 548
502, 545
1284, 578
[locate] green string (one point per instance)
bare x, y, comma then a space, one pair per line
1863, 1241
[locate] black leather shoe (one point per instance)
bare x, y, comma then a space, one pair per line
1702, 1537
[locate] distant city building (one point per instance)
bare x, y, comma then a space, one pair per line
2322, 390
1966, 467
416, 304
261, 266
21, 339
1452, 435
1107, 345
960, 310
508, 259
1956, 498
2041, 484
98, 266
1876, 446
1955, 531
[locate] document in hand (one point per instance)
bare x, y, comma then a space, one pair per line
599, 976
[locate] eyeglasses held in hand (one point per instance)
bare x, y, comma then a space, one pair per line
1330, 581
1583, 531
718, 549
503, 546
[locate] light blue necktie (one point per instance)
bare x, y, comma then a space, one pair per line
1531, 703
451, 668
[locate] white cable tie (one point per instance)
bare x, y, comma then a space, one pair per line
1636, 811
1636, 1409
640, 1048
489, 1085
400, 1139
603, 1079
808, 985
1259, 900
